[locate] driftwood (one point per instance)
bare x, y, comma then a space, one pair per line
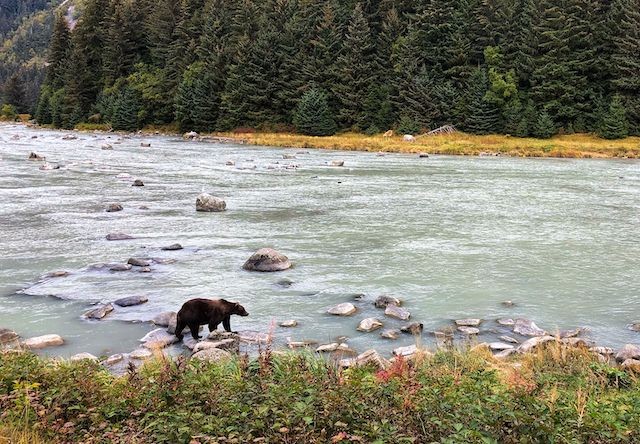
446, 129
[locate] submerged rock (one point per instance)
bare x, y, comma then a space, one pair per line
44, 341
145, 145
99, 312
120, 267
267, 260
172, 247
131, 301
526, 327
344, 309
414, 328
468, 322
369, 324
507, 322
285, 283
208, 203
384, 300
289, 323
118, 236
137, 262
635, 326
390, 334
112, 208
397, 312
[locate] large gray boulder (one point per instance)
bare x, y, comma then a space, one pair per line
212, 355
628, 351
384, 300
527, 327
413, 328
158, 338
344, 309
39, 342
165, 318
267, 260
208, 203
369, 324
131, 301
99, 312
397, 312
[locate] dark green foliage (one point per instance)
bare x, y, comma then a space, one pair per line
614, 123
13, 94
125, 110
407, 126
544, 127
214, 65
313, 115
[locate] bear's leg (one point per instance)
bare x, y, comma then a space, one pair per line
226, 322
195, 328
180, 325
213, 326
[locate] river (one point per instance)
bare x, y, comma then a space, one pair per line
451, 236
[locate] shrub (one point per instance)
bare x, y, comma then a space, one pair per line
8, 112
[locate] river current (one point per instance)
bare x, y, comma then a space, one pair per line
453, 237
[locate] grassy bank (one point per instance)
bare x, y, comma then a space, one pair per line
555, 395
574, 146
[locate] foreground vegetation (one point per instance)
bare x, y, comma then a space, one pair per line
556, 395
575, 145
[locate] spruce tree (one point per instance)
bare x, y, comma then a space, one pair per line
58, 56
313, 116
356, 70
614, 124
544, 127
197, 100
14, 93
125, 111
483, 116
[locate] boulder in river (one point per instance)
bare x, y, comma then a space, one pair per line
57, 274
509, 339
369, 324
289, 323
106, 147
344, 309
337, 163
526, 327
120, 267
468, 322
409, 350
99, 312
628, 351
507, 303
390, 334
190, 135
468, 330
8, 336
635, 326
118, 236
507, 322
385, 299
172, 247
397, 312
211, 355
145, 145
137, 183
208, 203
112, 208
158, 338
285, 283
131, 301
44, 341
137, 262
413, 328
36, 156
141, 353
165, 318
267, 260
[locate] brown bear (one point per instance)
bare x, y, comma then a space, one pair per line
197, 312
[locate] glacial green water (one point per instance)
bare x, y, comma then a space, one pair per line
451, 236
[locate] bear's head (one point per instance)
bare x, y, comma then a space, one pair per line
238, 309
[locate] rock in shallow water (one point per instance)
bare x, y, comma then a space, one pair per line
99, 312
158, 338
468, 322
413, 328
114, 207
118, 236
120, 267
267, 260
397, 312
137, 183
344, 309
384, 300
369, 324
390, 334
137, 262
39, 342
208, 203
83, 357
468, 330
172, 247
289, 323
526, 327
131, 301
